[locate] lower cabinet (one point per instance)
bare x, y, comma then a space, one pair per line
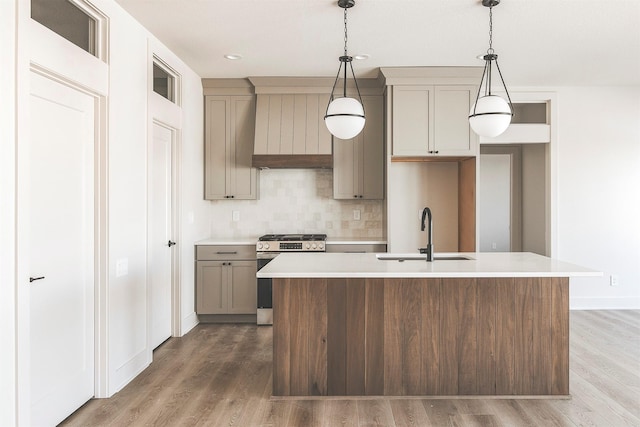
225, 286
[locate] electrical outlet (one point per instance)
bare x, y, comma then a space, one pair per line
494, 246
356, 214
614, 280
235, 215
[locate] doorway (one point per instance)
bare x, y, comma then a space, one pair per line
160, 241
513, 198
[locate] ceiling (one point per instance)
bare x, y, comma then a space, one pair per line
539, 42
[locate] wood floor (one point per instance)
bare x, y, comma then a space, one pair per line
220, 375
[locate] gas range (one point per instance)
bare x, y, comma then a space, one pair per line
291, 243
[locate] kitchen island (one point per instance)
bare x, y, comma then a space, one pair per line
356, 324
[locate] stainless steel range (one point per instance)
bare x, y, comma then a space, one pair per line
267, 248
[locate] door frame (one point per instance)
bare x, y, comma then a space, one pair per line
175, 232
100, 243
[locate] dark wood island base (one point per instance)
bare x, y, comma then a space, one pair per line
421, 337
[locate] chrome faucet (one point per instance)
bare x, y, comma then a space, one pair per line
426, 214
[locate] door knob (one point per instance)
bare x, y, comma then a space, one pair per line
171, 243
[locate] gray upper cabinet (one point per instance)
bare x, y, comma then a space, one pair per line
358, 163
229, 133
432, 120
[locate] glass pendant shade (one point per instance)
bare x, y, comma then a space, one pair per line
490, 116
345, 118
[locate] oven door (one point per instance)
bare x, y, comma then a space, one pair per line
265, 305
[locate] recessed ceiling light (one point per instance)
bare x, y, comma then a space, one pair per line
362, 56
233, 56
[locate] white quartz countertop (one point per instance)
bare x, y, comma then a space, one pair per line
330, 241
332, 265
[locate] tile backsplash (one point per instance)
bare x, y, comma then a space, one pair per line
296, 201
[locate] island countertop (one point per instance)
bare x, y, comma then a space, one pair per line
336, 265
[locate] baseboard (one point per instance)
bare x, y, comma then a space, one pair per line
189, 322
128, 371
619, 303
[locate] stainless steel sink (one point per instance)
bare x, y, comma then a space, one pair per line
420, 257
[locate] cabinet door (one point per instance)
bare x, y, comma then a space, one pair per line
358, 163
242, 283
242, 178
217, 140
211, 289
453, 135
371, 149
412, 116
229, 133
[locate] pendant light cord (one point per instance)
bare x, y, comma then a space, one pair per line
345, 31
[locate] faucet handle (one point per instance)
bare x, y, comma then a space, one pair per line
423, 250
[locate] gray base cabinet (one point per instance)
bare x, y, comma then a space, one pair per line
226, 284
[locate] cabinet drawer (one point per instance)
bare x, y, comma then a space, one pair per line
225, 252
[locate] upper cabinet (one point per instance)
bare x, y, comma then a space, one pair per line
229, 131
358, 163
429, 110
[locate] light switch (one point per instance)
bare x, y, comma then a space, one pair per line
122, 267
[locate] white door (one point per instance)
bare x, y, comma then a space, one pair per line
60, 249
495, 203
159, 233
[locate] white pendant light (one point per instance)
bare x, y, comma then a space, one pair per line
345, 116
491, 114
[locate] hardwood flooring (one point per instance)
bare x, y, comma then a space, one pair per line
220, 375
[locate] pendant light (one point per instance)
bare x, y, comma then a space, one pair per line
491, 114
345, 116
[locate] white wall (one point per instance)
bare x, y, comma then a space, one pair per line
7, 213
598, 197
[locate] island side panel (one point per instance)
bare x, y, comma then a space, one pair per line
487, 318
542, 336
336, 337
393, 338
411, 336
560, 336
374, 339
281, 338
468, 337
318, 338
430, 336
299, 336
355, 333
505, 334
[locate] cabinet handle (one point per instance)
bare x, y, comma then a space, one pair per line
33, 279
227, 252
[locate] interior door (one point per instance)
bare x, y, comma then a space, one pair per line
159, 232
495, 203
60, 249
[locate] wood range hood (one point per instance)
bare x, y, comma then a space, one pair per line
289, 129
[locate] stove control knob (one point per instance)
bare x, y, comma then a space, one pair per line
314, 246
307, 246
321, 246
266, 246
259, 245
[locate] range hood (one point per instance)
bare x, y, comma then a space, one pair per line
290, 130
